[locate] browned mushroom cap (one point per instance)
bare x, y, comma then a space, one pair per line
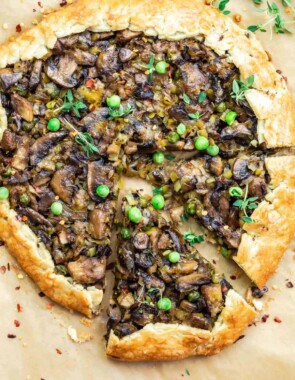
61, 69
46, 198
8, 141
87, 270
123, 329
83, 57
257, 187
41, 146
187, 283
144, 314
100, 220
62, 183
126, 55
36, 74
98, 174
141, 241
213, 297
192, 77
20, 159
127, 35
240, 132
215, 165
240, 169
185, 267
199, 321
95, 121
107, 61
22, 107
8, 78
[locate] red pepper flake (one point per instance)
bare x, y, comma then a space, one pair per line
18, 28
17, 288
90, 83
40, 4
19, 308
63, 3
24, 218
290, 285
11, 336
3, 269
58, 351
264, 318
16, 323
277, 319
233, 277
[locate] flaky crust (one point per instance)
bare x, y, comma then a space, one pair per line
36, 260
266, 240
161, 341
173, 19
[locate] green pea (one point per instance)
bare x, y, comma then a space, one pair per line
161, 67
212, 150
125, 233
114, 101
225, 252
193, 296
181, 129
24, 198
53, 124
134, 214
201, 143
158, 158
56, 208
158, 201
174, 257
235, 191
4, 193
173, 137
191, 208
143, 202
230, 117
102, 191
164, 304
221, 107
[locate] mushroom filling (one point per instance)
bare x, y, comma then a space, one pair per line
103, 104
159, 277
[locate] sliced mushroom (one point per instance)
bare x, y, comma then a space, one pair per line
126, 35
98, 174
46, 198
175, 239
192, 77
216, 166
240, 132
8, 78
123, 329
144, 314
22, 107
185, 267
20, 159
126, 55
240, 169
257, 187
141, 241
34, 217
199, 321
100, 220
114, 314
144, 260
95, 121
62, 183
35, 77
87, 270
61, 69
213, 296
8, 142
164, 242
189, 282
108, 61
83, 58
42, 146
126, 300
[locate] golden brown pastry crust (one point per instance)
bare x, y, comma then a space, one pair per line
161, 341
36, 260
173, 19
266, 241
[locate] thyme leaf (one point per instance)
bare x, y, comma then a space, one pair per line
70, 105
115, 113
239, 88
245, 205
186, 98
192, 239
150, 67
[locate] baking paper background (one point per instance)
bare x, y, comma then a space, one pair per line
266, 352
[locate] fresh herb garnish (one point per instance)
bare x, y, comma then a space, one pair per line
239, 88
83, 139
69, 104
119, 112
202, 97
154, 290
186, 98
62, 269
195, 115
246, 204
187, 372
184, 216
192, 238
151, 68
258, 2
157, 190
170, 157
222, 5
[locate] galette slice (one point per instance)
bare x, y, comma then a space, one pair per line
168, 302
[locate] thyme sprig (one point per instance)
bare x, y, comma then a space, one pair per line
151, 68
221, 5
115, 113
246, 204
192, 239
239, 88
83, 139
69, 104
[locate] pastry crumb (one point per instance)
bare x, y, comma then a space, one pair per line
258, 305
86, 322
5, 26
80, 337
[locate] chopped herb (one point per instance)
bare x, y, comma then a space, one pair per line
202, 97
184, 216
157, 190
187, 372
245, 205
222, 5
119, 112
239, 88
62, 269
195, 115
83, 139
192, 238
258, 2
170, 157
69, 105
151, 68
186, 98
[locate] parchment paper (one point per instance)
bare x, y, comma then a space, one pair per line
42, 348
